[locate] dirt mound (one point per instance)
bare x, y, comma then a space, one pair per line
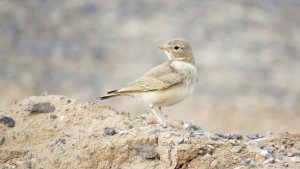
90, 135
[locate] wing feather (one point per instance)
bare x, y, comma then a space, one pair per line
158, 78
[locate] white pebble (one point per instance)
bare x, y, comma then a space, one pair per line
264, 153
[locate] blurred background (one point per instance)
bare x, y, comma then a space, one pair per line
247, 54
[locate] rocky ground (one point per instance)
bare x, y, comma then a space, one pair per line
247, 55
60, 132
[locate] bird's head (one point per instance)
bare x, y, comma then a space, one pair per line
178, 50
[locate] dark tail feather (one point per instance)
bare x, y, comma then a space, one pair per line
113, 91
107, 96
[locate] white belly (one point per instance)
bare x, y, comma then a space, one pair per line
168, 96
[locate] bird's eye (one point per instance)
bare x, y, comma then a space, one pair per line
176, 47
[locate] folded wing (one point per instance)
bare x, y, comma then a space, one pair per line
158, 78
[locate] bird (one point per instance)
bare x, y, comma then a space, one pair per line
166, 84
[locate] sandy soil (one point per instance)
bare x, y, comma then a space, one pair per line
91, 135
246, 52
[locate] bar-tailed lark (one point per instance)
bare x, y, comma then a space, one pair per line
165, 84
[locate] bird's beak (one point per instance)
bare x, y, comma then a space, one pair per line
164, 47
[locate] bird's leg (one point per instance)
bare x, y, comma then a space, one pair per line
159, 108
160, 120
162, 115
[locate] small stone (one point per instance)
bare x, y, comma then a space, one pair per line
290, 154
41, 108
264, 153
235, 136
253, 136
59, 151
110, 145
53, 116
153, 131
295, 159
236, 149
214, 137
222, 135
181, 141
246, 161
147, 152
1, 140
253, 149
270, 149
8, 121
109, 131
193, 128
260, 143
210, 146
199, 132
253, 163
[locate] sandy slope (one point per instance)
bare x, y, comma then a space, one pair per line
91, 135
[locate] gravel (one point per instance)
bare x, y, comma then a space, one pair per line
270, 149
147, 152
41, 108
153, 131
109, 131
236, 149
8, 121
253, 136
253, 149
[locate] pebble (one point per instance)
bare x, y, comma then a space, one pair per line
235, 136
199, 132
230, 136
147, 152
253, 149
59, 151
246, 161
1, 140
109, 131
41, 108
193, 128
53, 116
253, 163
270, 149
220, 135
8, 121
253, 136
236, 149
290, 154
110, 145
264, 153
153, 131
295, 159
214, 137
181, 141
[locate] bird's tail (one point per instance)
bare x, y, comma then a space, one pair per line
110, 94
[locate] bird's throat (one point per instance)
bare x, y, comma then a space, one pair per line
169, 54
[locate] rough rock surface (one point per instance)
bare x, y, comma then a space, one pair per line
75, 136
